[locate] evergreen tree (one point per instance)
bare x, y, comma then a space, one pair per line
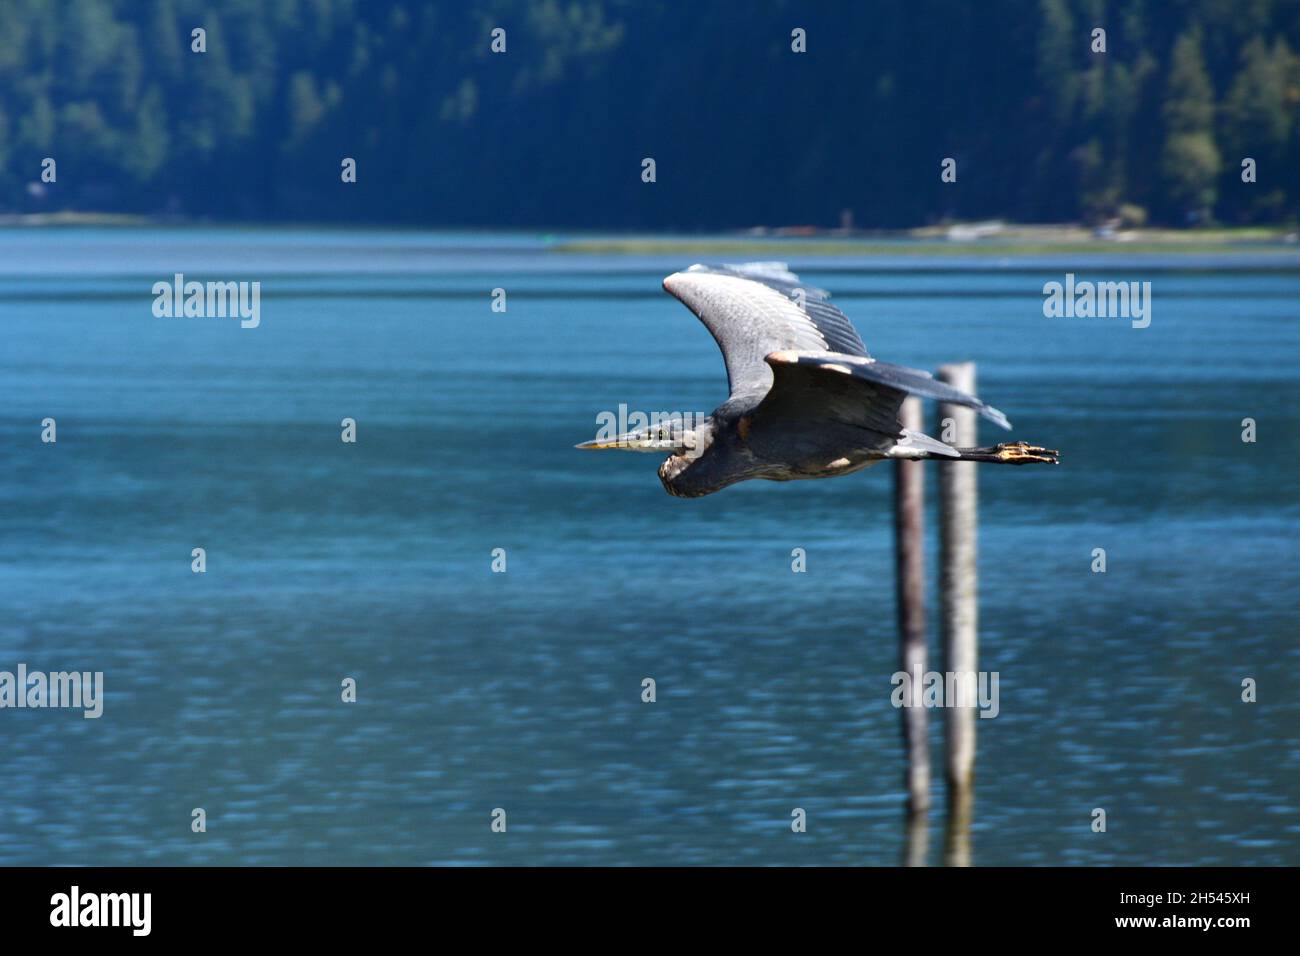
1190, 161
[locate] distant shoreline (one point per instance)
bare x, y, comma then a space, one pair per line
961, 239
957, 239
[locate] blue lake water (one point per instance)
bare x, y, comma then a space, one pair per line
522, 690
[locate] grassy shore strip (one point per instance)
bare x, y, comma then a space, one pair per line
933, 241
70, 218
796, 248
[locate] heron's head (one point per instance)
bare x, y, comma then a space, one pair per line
675, 436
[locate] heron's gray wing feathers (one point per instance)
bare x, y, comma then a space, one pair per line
752, 310
881, 380
807, 392
834, 326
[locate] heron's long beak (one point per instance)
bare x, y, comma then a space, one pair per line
628, 442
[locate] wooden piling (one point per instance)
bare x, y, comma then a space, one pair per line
909, 556
958, 586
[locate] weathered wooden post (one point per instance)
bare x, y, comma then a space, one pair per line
909, 556
958, 606
916, 846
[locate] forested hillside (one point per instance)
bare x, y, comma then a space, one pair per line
743, 130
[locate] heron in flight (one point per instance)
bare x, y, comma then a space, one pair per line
806, 399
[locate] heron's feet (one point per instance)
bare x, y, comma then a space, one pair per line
1021, 453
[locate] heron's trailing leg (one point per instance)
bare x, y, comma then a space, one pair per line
1012, 453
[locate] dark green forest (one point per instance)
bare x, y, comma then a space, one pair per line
743, 130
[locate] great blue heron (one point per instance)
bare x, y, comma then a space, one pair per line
807, 400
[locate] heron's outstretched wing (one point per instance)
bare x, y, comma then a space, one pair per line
857, 389
758, 308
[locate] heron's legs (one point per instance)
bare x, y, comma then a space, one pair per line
1012, 453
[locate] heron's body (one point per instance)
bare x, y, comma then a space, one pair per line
807, 400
